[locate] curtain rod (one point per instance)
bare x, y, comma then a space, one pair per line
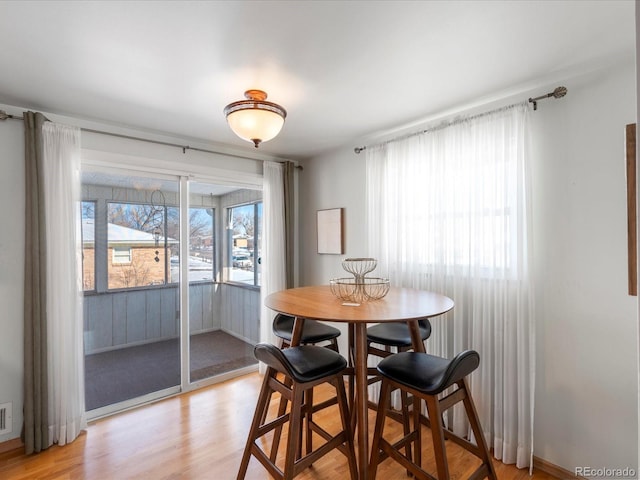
6, 116
559, 92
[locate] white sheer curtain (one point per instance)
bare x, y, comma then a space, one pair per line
61, 160
448, 211
273, 244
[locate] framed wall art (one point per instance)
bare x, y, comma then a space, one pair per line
330, 231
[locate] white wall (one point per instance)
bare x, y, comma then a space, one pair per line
12, 269
333, 181
586, 382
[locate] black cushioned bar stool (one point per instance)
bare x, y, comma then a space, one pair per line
313, 332
304, 367
425, 377
394, 335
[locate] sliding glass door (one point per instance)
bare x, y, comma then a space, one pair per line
171, 275
213, 349
131, 243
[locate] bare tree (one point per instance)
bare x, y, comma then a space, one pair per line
134, 275
88, 210
243, 223
147, 218
139, 217
199, 225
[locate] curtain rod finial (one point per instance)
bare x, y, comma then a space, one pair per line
359, 149
559, 92
4, 115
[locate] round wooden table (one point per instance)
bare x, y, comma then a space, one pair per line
399, 305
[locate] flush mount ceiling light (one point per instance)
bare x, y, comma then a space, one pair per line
254, 119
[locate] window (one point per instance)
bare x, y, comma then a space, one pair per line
244, 243
139, 244
143, 242
131, 234
449, 201
121, 254
88, 232
202, 245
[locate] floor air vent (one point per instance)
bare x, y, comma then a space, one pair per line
5, 418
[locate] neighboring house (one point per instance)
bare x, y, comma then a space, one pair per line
243, 241
134, 258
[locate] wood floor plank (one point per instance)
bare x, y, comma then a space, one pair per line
200, 435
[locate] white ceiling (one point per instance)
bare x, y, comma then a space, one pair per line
344, 70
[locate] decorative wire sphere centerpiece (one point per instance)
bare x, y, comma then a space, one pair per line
359, 288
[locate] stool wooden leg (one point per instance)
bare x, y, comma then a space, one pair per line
343, 405
282, 408
379, 429
435, 417
474, 420
294, 428
308, 419
281, 345
417, 426
262, 406
406, 427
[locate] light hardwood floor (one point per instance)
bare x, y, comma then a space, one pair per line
199, 435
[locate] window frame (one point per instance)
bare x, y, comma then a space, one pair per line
257, 235
115, 258
82, 243
214, 244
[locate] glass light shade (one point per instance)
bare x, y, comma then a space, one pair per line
255, 125
254, 119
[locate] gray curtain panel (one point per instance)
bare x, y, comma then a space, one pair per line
35, 429
288, 221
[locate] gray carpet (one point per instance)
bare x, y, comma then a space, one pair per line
131, 372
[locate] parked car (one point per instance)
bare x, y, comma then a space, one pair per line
242, 260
